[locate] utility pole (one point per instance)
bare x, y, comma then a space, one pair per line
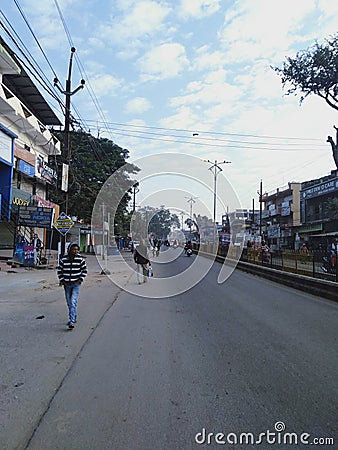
215, 169
67, 148
253, 216
68, 93
260, 193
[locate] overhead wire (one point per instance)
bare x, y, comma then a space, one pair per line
81, 68
204, 140
218, 143
35, 71
223, 133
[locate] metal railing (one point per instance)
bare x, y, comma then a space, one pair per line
316, 264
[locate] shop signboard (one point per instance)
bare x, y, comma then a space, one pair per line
321, 189
46, 171
26, 168
35, 216
273, 231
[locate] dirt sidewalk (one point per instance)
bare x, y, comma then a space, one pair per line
37, 349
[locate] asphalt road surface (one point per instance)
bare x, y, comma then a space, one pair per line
198, 369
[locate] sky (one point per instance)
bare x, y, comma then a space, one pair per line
189, 77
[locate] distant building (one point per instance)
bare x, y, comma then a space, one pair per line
319, 209
281, 215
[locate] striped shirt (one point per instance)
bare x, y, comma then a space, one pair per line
71, 271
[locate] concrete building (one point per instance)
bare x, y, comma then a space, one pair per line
28, 148
281, 215
319, 210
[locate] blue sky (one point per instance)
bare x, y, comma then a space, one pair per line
159, 71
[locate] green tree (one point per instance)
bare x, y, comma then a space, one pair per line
313, 71
93, 162
156, 221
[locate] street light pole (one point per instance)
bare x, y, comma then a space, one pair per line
260, 193
191, 201
135, 191
216, 169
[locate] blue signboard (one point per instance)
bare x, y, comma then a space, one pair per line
35, 216
26, 168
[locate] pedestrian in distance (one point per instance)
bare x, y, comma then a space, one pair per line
143, 262
71, 272
304, 249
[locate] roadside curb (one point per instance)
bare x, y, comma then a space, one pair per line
322, 288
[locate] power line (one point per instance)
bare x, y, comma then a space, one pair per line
33, 34
35, 71
223, 133
80, 67
219, 143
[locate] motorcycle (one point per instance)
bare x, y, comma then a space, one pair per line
329, 264
188, 252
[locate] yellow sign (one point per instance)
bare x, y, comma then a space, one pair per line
63, 223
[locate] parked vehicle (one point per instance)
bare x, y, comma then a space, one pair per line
329, 264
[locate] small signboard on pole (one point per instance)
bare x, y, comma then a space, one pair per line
63, 223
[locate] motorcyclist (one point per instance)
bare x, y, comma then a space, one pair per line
265, 252
187, 245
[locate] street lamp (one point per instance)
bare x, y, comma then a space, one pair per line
191, 201
215, 169
135, 191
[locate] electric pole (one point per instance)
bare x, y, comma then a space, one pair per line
68, 93
260, 193
67, 156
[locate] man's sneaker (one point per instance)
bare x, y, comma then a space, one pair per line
70, 325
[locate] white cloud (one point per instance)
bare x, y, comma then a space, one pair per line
137, 105
198, 8
207, 59
212, 91
106, 84
184, 118
256, 29
139, 21
163, 61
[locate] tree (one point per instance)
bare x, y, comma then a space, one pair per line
155, 221
313, 71
93, 162
334, 146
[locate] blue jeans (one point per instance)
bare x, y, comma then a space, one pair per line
72, 291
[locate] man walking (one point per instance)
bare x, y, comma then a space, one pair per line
72, 270
142, 260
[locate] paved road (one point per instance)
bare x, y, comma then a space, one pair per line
232, 358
